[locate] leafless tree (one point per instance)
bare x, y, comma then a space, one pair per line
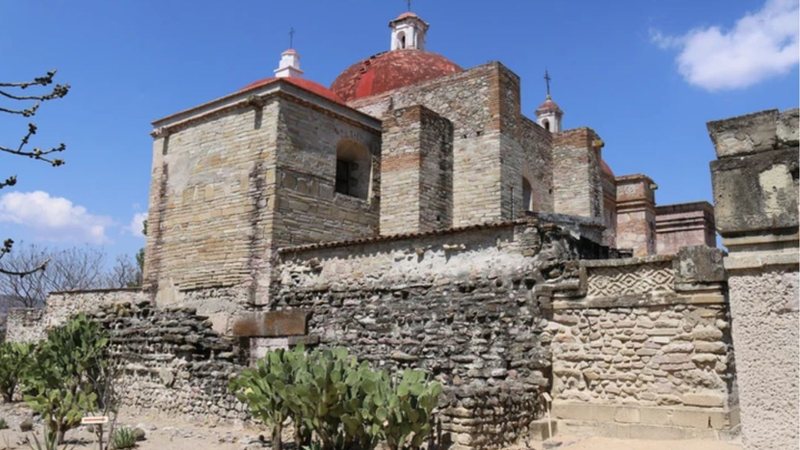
124, 274
20, 99
70, 269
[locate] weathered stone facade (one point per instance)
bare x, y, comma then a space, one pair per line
755, 182
643, 348
684, 225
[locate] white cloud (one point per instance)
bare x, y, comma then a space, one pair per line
135, 227
761, 45
53, 218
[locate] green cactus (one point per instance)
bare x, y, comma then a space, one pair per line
14, 359
60, 383
346, 405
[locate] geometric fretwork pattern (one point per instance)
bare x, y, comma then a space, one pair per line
639, 279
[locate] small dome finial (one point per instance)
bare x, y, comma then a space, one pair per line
547, 82
408, 31
289, 66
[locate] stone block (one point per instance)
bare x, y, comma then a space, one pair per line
708, 399
272, 324
699, 264
744, 134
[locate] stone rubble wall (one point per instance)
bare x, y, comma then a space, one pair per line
31, 325
461, 305
639, 351
25, 325
171, 360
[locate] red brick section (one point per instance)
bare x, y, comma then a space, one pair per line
636, 228
272, 324
391, 70
684, 225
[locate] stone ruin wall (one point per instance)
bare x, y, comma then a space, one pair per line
461, 305
170, 359
643, 349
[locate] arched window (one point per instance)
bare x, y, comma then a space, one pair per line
546, 124
527, 195
353, 169
401, 40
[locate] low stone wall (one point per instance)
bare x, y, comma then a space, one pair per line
460, 304
643, 348
171, 360
24, 325
31, 325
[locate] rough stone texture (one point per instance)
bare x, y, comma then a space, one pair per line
684, 225
756, 193
416, 171
646, 342
460, 304
494, 145
271, 324
577, 188
636, 215
756, 176
765, 333
172, 360
24, 325
231, 184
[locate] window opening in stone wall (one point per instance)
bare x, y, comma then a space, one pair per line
546, 124
527, 195
353, 167
402, 38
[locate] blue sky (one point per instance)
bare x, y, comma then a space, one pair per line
645, 74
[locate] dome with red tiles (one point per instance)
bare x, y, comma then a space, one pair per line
391, 70
548, 106
302, 83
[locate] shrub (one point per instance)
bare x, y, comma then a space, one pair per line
124, 438
14, 359
60, 384
347, 405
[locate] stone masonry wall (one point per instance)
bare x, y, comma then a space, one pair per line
416, 171
460, 304
171, 360
492, 141
577, 188
683, 225
31, 325
645, 349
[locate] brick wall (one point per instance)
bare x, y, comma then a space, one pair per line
636, 215
577, 188
417, 171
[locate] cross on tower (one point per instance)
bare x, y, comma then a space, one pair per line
547, 82
291, 37
408, 4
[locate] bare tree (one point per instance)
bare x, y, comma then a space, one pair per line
125, 273
19, 100
74, 268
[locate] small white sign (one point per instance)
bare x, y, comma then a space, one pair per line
94, 420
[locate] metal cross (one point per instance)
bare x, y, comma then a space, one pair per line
408, 3
291, 37
547, 82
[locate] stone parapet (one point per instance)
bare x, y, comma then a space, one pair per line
683, 225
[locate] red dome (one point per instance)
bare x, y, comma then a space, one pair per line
391, 70
548, 106
302, 83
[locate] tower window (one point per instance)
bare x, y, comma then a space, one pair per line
353, 169
546, 124
527, 195
401, 38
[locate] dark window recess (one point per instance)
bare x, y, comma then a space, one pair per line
346, 181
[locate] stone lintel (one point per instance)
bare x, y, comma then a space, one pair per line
744, 134
719, 418
272, 324
707, 296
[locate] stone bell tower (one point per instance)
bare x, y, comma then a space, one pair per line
548, 114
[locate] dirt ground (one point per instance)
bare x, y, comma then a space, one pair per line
167, 433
